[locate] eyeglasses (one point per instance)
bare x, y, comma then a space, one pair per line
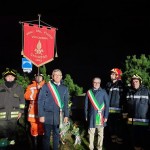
96, 82
57, 75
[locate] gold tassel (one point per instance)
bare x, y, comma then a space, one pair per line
56, 55
22, 52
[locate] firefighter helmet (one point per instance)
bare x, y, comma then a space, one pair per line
38, 75
9, 72
136, 76
118, 73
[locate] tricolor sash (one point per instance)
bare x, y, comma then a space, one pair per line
97, 106
57, 99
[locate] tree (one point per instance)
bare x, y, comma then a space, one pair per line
74, 89
140, 66
42, 70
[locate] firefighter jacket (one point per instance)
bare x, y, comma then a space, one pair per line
31, 94
138, 105
12, 101
116, 96
47, 106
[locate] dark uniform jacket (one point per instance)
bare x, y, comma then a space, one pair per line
12, 101
138, 103
115, 92
48, 108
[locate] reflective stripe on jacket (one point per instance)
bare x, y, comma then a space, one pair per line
134, 121
114, 110
31, 94
11, 100
138, 103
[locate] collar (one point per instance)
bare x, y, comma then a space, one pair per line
57, 83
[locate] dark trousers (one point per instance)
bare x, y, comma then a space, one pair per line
8, 129
46, 138
115, 124
138, 136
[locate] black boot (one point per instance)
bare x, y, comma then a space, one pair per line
40, 138
35, 142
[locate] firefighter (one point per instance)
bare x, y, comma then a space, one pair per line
31, 95
115, 89
12, 104
138, 109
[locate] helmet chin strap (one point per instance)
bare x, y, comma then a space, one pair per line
114, 80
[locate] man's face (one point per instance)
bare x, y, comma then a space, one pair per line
57, 76
38, 79
135, 83
113, 76
9, 78
96, 83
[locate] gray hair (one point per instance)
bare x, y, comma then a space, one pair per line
97, 78
56, 70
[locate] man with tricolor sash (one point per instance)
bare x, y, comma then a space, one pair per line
138, 110
53, 108
96, 112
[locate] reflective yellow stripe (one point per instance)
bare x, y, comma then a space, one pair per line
114, 111
2, 113
14, 116
1, 117
138, 120
14, 113
135, 121
138, 123
22, 106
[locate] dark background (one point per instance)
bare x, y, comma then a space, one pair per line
92, 37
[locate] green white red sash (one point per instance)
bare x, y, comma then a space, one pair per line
97, 106
55, 94
57, 100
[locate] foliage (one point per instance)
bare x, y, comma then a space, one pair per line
140, 66
74, 89
23, 80
43, 71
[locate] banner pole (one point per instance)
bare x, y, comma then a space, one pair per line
39, 15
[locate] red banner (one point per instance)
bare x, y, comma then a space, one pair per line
39, 44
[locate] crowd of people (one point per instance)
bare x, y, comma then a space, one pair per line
121, 111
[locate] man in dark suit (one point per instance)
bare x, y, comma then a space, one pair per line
53, 108
96, 112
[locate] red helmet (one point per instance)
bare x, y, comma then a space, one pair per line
118, 73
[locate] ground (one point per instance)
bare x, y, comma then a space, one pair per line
25, 140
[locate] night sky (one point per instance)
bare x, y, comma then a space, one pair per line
92, 38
